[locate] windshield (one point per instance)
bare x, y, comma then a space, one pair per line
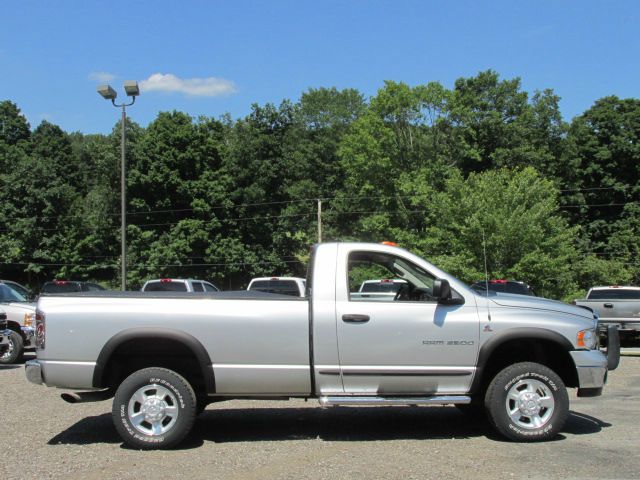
8, 294
615, 294
283, 287
60, 287
502, 287
166, 286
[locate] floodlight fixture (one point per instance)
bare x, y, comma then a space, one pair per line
107, 92
131, 87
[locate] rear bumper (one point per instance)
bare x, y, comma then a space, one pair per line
65, 374
33, 371
623, 324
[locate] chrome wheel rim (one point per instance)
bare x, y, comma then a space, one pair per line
153, 410
9, 351
530, 404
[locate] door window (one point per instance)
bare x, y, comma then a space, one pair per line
382, 277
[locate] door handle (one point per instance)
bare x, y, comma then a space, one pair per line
608, 305
354, 318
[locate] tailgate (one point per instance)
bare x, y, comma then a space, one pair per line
611, 310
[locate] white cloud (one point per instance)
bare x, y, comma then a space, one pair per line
195, 87
103, 77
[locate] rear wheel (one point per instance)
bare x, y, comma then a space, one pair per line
527, 402
154, 408
15, 351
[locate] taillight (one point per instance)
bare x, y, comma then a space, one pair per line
40, 330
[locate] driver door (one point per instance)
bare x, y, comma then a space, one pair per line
402, 344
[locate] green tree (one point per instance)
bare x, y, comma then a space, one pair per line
513, 216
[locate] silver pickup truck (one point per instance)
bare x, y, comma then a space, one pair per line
164, 357
615, 305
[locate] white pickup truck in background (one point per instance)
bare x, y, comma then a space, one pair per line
615, 305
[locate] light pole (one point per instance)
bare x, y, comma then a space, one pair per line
108, 93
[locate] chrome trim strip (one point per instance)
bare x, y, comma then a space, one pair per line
408, 371
63, 362
260, 366
398, 373
326, 401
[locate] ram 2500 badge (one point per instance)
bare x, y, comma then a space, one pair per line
164, 357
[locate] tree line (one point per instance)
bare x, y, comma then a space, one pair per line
447, 173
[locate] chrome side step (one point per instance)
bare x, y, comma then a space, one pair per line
329, 401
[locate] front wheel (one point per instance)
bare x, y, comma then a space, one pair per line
154, 408
527, 402
15, 349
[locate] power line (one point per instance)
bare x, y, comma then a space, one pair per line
286, 202
180, 265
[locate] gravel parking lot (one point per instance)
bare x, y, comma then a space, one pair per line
44, 437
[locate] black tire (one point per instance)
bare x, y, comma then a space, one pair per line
527, 402
201, 403
154, 408
15, 351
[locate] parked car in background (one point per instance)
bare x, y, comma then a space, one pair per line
21, 289
503, 286
293, 286
382, 289
70, 286
615, 305
179, 285
4, 333
21, 315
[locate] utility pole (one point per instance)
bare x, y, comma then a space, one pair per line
319, 221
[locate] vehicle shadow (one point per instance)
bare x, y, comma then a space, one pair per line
89, 430
228, 425
11, 366
336, 424
583, 424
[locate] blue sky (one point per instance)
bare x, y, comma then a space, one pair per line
213, 57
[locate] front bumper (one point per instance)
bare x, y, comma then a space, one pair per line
29, 335
33, 370
591, 366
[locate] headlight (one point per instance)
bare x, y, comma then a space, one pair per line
587, 339
29, 318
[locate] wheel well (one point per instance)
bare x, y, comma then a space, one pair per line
543, 351
136, 354
15, 326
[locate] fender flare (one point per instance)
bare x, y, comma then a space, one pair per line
520, 333
192, 343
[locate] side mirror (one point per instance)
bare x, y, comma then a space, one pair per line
441, 289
